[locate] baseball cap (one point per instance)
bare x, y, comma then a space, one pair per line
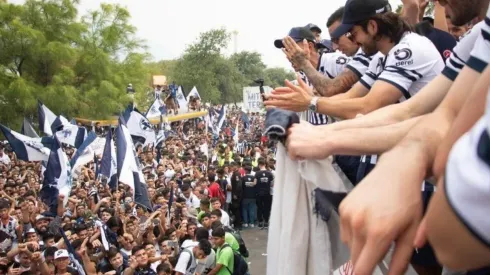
41, 217
297, 34
314, 28
62, 253
356, 11
325, 44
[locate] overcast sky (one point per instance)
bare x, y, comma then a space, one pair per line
169, 25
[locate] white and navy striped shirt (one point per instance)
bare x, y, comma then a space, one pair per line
359, 63
461, 53
330, 65
480, 54
240, 148
409, 66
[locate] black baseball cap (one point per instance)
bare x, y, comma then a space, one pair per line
314, 28
356, 11
325, 44
298, 34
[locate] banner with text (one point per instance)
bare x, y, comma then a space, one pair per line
252, 101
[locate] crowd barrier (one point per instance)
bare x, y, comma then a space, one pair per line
156, 120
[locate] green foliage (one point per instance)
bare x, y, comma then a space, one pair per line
275, 77
77, 67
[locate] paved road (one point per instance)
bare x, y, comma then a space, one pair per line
256, 241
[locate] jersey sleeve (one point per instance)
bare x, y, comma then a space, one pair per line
359, 64
371, 74
480, 55
406, 65
332, 64
461, 53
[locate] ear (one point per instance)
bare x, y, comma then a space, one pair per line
372, 27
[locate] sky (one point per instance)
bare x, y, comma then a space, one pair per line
168, 26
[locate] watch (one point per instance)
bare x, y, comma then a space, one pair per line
313, 103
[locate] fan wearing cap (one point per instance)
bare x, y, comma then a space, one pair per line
317, 32
62, 262
328, 64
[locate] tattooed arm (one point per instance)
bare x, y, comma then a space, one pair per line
330, 87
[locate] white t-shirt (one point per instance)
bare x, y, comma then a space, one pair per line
5, 159
467, 178
359, 63
187, 255
225, 218
206, 264
193, 201
461, 53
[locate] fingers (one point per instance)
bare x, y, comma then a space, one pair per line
373, 252
403, 252
421, 235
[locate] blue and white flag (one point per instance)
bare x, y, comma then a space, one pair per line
221, 118
108, 164
72, 135
210, 121
128, 168
74, 258
46, 119
57, 178
139, 126
84, 153
194, 93
28, 130
156, 109
235, 134
183, 108
28, 148
246, 121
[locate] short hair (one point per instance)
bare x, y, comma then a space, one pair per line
185, 187
50, 251
136, 249
164, 267
206, 215
215, 199
202, 234
112, 252
217, 213
261, 161
219, 232
335, 16
205, 246
220, 171
205, 201
216, 224
211, 177
47, 237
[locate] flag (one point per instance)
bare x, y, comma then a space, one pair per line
193, 93
139, 126
156, 109
246, 121
73, 121
210, 121
128, 169
28, 130
74, 258
170, 202
235, 134
72, 135
28, 148
108, 164
181, 100
84, 153
221, 118
57, 178
46, 118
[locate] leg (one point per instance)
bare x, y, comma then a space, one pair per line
253, 211
267, 212
260, 210
244, 212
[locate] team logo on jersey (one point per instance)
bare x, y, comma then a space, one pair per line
403, 54
341, 60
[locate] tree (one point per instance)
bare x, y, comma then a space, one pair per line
275, 77
77, 67
250, 66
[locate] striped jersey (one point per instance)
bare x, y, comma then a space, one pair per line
330, 65
359, 63
409, 66
480, 54
467, 178
461, 53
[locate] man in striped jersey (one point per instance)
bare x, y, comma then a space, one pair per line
408, 163
328, 64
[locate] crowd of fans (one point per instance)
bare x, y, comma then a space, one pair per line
207, 191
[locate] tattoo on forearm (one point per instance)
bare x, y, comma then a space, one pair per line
330, 87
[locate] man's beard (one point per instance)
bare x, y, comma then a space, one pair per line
369, 48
